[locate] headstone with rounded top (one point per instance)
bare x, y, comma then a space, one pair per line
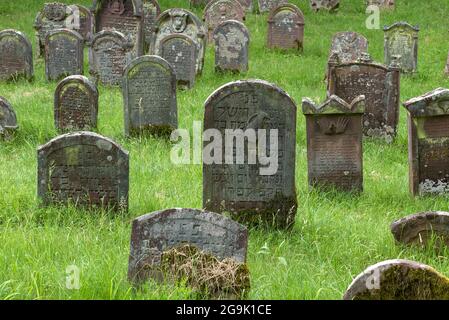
16, 56
8, 119
286, 27
218, 11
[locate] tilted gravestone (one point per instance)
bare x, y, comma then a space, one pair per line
255, 185
76, 104
329, 5
149, 91
16, 56
180, 21
383, 4
401, 41
268, 5
151, 11
286, 28
180, 52
231, 46
64, 54
83, 21
334, 143
154, 233
109, 53
428, 123
84, 169
349, 46
8, 119
218, 11
399, 280
380, 86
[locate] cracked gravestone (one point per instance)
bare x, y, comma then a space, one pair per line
383, 4
329, 5
349, 46
218, 11
8, 119
401, 41
286, 27
268, 5
151, 11
16, 56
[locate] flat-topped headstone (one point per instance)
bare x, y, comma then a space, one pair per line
84, 169
86, 20
334, 143
64, 54
151, 11
428, 122
401, 41
329, 5
286, 27
399, 280
8, 119
149, 91
231, 46
349, 46
160, 231
76, 104
218, 11
16, 56
268, 5
383, 4
380, 86
255, 187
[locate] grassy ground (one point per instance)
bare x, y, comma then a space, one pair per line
336, 236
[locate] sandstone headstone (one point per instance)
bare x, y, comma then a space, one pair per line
84, 169
329, 5
383, 4
149, 91
218, 11
349, 46
151, 11
401, 40
64, 54
231, 46
268, 5
8, 119
86, 20
334, 143
255, 187
286, 28
76, 104
16, 56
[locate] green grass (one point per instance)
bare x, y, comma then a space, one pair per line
336, 236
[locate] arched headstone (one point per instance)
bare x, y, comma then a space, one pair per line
8, 119
218, 11
401, 41
16, 56
151, 11
83, 21
349, 46
286, 27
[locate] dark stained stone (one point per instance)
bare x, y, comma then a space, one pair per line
349, 46
268, 5
231, 46
151, 11
84, 169
399, 280
16, 56
160, 231
286, 27
428, 122
64, 54
87, 22
383, 4
149, 91
251, 191
76, 104
8, 119
380, 86
330, 5
401, 41
218, 11
334, 143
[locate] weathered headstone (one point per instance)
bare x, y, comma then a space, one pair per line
231, 46
8, 119
286, 28
149, 91
76, 104
428, 121
383, 4
151, 11
329, 5
84, 169
268, 5
349, 46
401, 40
446, 70
109, 53
334, 143
16, 56
399, 280
83, 21
180, 52
254, 186
218, 11
380, 86
64, 54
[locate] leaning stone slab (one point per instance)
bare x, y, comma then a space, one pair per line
8, 119
329, 5
218, 11
286, 28
16, 56
401, 41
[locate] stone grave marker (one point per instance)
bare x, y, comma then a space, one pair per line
218, 11
86, 20
151, 11
401, 40
286, 28
85, 169
149, 91
254, 186
76, 104
446, 70
329, 5
382, 4
349, 46
334, 143
8, 119
231, 46
268, 5
16, 56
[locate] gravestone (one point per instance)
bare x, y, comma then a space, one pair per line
419, 228
180, 21
124, 16
349, 46
428, 123
383, 4
16, 56
109, 53
231, 46
260, 189
151, 11
446, 70
64, 54
218, 11
401, 40
399, 280
329, 5
334, 143
154, 233
149, 92
180, 52
268, 5
8, 119
84, 169
380, 86
76, 104
286, 28
86, 20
